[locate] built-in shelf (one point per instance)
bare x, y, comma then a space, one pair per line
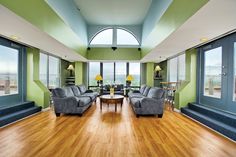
70, 81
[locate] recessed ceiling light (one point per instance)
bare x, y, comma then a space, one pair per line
204, 39
14, 37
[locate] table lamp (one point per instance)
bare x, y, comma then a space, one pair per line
70, 68
129, 78
157, 70
98, 78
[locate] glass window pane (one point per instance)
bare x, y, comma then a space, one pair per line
43, 64
181, 67
108, 73
234, 72
134, 70
103, 38
54, 72
125, 38
8, 70
120, 73
212, 72
173, 70
94, 70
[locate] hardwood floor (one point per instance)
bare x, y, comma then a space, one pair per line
108, 133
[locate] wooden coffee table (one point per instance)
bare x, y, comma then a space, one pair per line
111, 100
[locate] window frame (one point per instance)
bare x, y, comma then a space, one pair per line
178, 68
114, 39
127, 72
47, 72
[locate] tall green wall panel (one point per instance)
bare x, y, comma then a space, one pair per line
79, 73
187, 92
150, 74
36, 91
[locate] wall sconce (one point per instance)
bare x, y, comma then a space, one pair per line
113, 48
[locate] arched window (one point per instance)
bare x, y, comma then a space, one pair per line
126, 38
104, 37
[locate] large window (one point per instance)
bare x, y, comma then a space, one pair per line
43, 68
54, 72
114, 37
94, 70
114, 72
176, 68
103, 38
125, 38
49, 71
120, 73
134, 70
8, 70
108, 73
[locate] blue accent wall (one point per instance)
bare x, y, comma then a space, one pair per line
68, 11
157, 9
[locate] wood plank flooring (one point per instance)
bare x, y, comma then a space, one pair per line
109, 134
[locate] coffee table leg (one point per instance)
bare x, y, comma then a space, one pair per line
121, 103
100, 104
115, 106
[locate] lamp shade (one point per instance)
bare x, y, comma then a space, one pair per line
158, 68
129, 78
70, 67
98, 78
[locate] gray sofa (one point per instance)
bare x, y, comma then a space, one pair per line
72, 99
147, 101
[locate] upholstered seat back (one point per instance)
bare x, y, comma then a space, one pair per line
156, 93
145, 93
82, 89
68, 91
142, 88
76, 90
59, 93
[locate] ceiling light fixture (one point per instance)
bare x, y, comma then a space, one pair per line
204, 39
14, 37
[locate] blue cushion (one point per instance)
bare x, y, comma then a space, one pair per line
82, 89
59, 92
145, 93
69, 91
142, 88
76, 90
155, 92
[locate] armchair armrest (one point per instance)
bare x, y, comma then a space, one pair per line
89, 91
152, 104
135, 91
63, 105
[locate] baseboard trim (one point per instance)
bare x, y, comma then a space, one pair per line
177, 110
46, 109
20, 119
208, 127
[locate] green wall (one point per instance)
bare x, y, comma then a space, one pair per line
79, 73
38, 13
187, 92
163, 73
178, 12
119, 54
150, 74
64, 72
36, 91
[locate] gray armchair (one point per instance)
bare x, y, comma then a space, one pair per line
69, 100
149, 102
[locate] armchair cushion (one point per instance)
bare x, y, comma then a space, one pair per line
76, 90
58, 92
82, 88
145, 93
68, 91
142, 88
156, 93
